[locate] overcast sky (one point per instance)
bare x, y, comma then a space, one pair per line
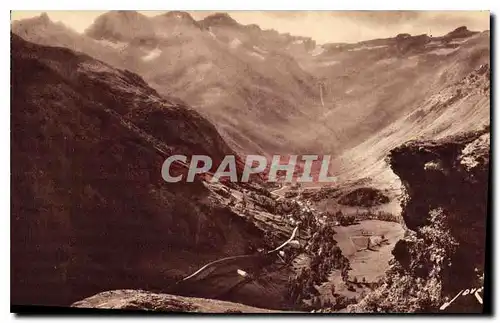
322, 26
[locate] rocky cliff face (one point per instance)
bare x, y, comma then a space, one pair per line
121, 26
138, 300
446, 208
450, 175
90, 211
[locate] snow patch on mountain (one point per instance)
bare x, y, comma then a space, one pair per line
443, 51
210, 32
153, 54
318, 50
259, 50
255, 54
458, 41
367, 48
235, 43
118, 45
330, 63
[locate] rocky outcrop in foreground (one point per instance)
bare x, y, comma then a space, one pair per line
129, 299
446, 209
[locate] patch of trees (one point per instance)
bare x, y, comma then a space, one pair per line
342, 302
265, 202
346, 220
365, 197
258, 190
368, 215
290, 194
325, 256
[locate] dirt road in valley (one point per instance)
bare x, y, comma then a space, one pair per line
238, 264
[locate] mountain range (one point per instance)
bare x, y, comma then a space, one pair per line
263, 90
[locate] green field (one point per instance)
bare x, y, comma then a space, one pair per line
370, 264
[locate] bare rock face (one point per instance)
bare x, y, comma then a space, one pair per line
457, 184
460, 32
174, 22
451, 174
219, 19
121, 25
146, 301
446, 209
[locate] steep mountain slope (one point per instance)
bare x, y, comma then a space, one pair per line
41, 30
87, 146
275, 93
233, 82
121, 25
234, 75
463, 104
263, 90
368, 85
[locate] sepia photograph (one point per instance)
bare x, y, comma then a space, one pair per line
264, 162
